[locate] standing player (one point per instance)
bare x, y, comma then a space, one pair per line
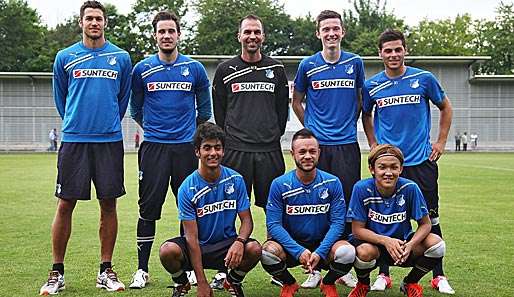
305, 218
381, 210
208, 202
331, 82
250, 100
401, 96
91, 91
170, 94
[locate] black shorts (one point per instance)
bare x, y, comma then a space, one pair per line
293, 262
162, 165
343, 161
385, 257
258, 169
80, 163
426, 175
213, 255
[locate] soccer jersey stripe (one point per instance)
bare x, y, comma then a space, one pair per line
324, 182
232, 76
380, 87
247, 70
348, 60
402, 187
200, 194
316, 69
112, 53
292, 191
77, 61
372, 200
151, 70
183, 63
293, 194
229, 178
415, 74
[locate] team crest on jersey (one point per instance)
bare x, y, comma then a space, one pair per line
111, 60
185, 71
323, 193
270, 74
401, 200
348, 69
229, 188
414, 83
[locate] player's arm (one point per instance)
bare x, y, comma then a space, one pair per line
137, 97
60, 86
445, 121
236, 251
367, 117
125, 85
203, 96
274, 211
297, 105
424, 227
219, 98
282, 100
195, 254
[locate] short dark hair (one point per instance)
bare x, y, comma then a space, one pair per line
382, 150
328, 14
92, 4
208, 131
251, 17
303, 133
391, 35
165, 16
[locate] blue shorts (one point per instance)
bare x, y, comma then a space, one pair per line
80, 163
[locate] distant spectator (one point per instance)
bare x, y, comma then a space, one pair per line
53, 137
474, 140
464, 140
457, 142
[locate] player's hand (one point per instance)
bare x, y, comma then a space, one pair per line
313, 262
372, 145
204, 290
407, 249
395, 248
234, 255
437, 151
304, 259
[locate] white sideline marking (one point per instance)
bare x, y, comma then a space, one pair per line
484, 167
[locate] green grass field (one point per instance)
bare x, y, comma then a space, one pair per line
477, 217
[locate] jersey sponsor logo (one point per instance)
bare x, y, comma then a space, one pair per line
333, 84
387, 219
95, 73
215, 207
253, 87
169, 86
298, 210
398, 100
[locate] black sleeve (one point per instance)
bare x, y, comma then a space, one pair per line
282, 100
219, 98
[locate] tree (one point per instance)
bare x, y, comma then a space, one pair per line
303, 40
219, 22
496, 40
22, 37
447, 37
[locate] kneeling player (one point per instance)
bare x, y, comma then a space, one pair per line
381, 209
305, 218
208, 202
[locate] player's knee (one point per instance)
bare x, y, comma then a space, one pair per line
253, 249
269, 258
364, 264
366, 252
437, 250
169, 251
344, 254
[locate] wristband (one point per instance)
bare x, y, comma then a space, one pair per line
241, 240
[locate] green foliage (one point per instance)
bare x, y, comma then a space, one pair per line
447, 37
22, 37
476, 216
218, 25
303, 40
364, 25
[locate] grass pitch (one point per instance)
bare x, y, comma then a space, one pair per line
477, 217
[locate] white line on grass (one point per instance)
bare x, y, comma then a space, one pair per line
483, 167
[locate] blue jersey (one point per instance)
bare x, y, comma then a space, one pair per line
91, 90
388, 216
313, 213
214, 206
165, 98
331, 110
402, 111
